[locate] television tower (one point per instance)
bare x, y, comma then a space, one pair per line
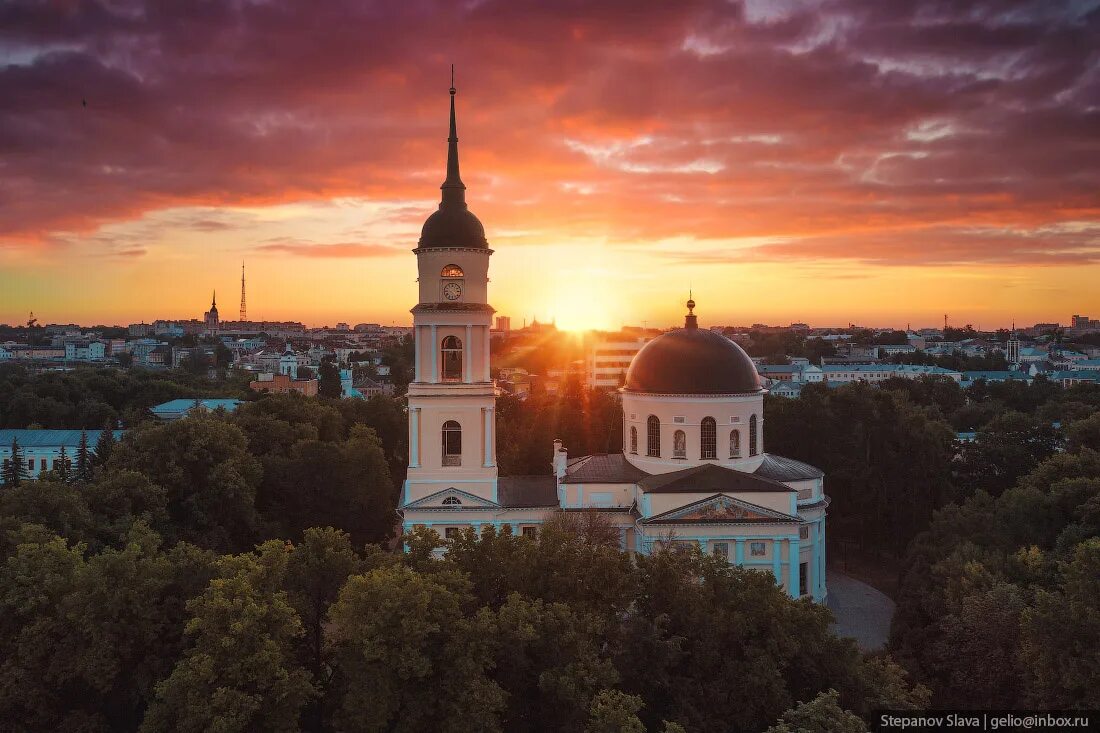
244, 311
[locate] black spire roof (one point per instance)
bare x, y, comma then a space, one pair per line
453, 225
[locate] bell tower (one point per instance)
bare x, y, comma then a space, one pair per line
452, 420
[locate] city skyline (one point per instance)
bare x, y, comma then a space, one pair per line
818, 162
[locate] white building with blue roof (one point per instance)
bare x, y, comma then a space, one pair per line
41, 449
175, 409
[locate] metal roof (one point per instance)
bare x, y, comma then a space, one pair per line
781, 468
709, 478
602, 468
527, 491
47, 438
229, 404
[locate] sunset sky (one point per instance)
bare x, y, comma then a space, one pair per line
836, 161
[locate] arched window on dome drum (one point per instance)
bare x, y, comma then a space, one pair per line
735, 444
753, 449
679, 444
653, 437
708, 438
451, 271
633, 440
452, 359
452, 443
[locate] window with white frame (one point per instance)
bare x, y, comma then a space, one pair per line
452, 359
708, 438
653, 436
758, 549
452, 443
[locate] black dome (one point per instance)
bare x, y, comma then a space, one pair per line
453, 226
692, 361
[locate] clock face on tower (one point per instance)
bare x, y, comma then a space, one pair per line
452, 291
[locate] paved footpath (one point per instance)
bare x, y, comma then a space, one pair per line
862, 612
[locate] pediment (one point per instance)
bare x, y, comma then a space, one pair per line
720, 509
452, 499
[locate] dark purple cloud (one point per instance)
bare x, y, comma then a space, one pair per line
892, 130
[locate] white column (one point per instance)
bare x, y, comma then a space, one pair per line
793, 557
434, 354
821, 555
487, 417
414, 437
468, 354
416, 352
487, 339
814, 584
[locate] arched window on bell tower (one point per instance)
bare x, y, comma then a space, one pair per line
452, 359
452, 443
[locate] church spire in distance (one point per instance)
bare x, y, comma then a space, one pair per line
454, 191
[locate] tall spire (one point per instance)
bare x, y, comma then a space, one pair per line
244, 313
214, 300
454, 191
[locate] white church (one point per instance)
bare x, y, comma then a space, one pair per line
693, 472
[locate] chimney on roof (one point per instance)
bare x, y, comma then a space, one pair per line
561, 458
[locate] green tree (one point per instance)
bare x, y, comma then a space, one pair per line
64, 472
210, 479
83, 459
1084, 433
55, 505
15, 467
1061, 634
823, 714
316, 570
240, 674
316, 483
84, 640
329, 382
409, 659
117, 500
615, 712
550, 663
104, 445
1006, 449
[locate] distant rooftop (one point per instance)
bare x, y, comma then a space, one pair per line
49, 438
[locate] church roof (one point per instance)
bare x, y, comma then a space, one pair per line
527, 491
692, 361
781, 468
602, 468
708, 478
